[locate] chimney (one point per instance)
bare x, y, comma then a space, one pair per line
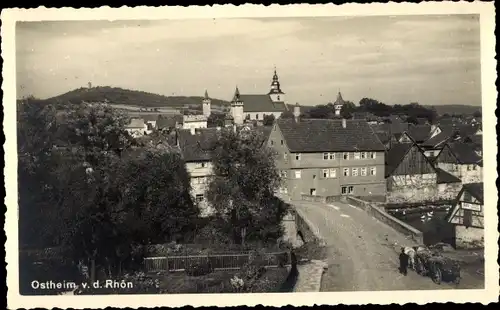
344, 123
193, 130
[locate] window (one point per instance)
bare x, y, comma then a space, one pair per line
284, 156
363, 171
201, 165
297, 156
363, 155
326, 173
474, 167
333, 173
256, 116
344, 190
346, 156
469, 167
328, 156
354, 172
272, 142
350, 189
356, 155
283, 174
298, 174
199, 198
373, 155
278, 97
346, 172
313, 191
281, 142
467, 197
373, 171
314, 177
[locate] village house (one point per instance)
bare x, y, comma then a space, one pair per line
443, 134
196, 145
409, 175
467, 217
461, 160
252, 107
328, 158
137, 127
169, 123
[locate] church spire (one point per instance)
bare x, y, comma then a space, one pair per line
236, 94
206, 94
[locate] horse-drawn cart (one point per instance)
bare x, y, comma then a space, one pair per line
437, 267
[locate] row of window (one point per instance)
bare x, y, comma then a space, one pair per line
345, 156
455, 167
332, 172
199, 180
345, 190
331, 156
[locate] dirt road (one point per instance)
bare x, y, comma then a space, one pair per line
363, 252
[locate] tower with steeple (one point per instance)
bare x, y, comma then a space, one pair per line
237, 108
206, 103
338, 104
275, 93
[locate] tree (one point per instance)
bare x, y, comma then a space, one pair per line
321, 112
477, 114
287, 114
347, 109
216, 120
242, 189
268, 120
94, 195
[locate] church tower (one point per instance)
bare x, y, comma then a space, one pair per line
237, 108
206, 102
338, 104
275, 93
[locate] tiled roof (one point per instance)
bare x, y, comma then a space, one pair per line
445, 134
261, 103
340, 100
419, 133
445, 177
197, 147
396, 126
395, 155
464, 153
324, 135
136, 123
476, 190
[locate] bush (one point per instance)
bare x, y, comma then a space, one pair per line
199, 269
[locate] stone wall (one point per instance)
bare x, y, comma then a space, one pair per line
469, 238
310, 233
448, 191
411, 188
379, 213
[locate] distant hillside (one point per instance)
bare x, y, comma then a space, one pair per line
456, 109
119, 96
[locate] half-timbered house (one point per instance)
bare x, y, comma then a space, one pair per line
461, 160
467, 217
410, 177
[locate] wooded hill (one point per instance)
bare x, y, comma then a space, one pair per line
120, 96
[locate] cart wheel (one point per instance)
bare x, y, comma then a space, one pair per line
436, 275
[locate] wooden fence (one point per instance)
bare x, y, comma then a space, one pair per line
218, 261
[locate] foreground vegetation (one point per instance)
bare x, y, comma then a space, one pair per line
89, 190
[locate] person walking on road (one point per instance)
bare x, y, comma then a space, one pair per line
403, 262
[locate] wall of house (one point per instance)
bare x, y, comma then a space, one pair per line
260, 115
448, 191
200, 177
471, 237
194, 125
466, 173
412, 188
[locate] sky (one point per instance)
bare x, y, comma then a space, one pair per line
430, 59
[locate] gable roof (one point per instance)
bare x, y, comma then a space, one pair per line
197, 147
261, 103
445, 177
419, 133
464, 153
446, 134
395, 155
476, 190
135, 123
328, 135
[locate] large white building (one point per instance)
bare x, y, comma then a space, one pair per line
256, 106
